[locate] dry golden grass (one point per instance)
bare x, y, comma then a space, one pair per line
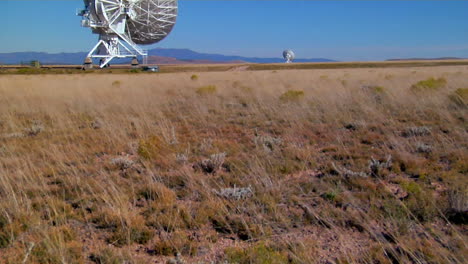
279, 166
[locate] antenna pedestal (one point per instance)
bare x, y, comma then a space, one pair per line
110, 47
88, 63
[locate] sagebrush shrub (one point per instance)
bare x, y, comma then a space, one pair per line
430, 84
292, 95
460, 97
206, 90
116, 83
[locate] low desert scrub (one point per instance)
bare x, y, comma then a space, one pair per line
460, 97
389, 76
129, 235
258, 254
206, 90
458, 204
213, 164
122, 163
292, 95
34, 130
416, 131
430, 84
327, 173
423, 148
58, 246
110, 256
268, 143
194, 77
235, 193
462, 92
178, 242
378, 89
116, 83
159, 193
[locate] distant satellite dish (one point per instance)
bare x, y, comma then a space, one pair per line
289, 56
122, 24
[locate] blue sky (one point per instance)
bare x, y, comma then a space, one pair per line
342, 30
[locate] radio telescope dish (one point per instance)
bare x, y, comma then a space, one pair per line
289, 56
123, 24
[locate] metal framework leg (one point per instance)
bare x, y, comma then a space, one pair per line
111, 47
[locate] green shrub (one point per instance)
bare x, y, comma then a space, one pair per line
106, 219
5, 237
458, 204
158, 192
108, 256
194, 77
430, 84
176, 242
116, 83
292, 95
4, 240
259, 254
235, 224
460, 97
59, 245
420, 201
330, 196
169, 218
379, 89
324, 77
462, 92
206, 90
152, 147
128, 235
42, 254
412, 188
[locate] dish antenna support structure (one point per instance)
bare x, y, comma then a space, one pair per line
289, 56
123, 24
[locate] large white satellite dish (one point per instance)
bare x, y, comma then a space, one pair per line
123, 24
289, 56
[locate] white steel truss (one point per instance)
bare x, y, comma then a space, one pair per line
122, 24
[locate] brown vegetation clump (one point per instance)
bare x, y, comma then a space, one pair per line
232, 168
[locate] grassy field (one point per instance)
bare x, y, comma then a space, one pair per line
126, 69
361, 165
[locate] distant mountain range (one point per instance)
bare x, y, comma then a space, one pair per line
155, 56
189, 55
